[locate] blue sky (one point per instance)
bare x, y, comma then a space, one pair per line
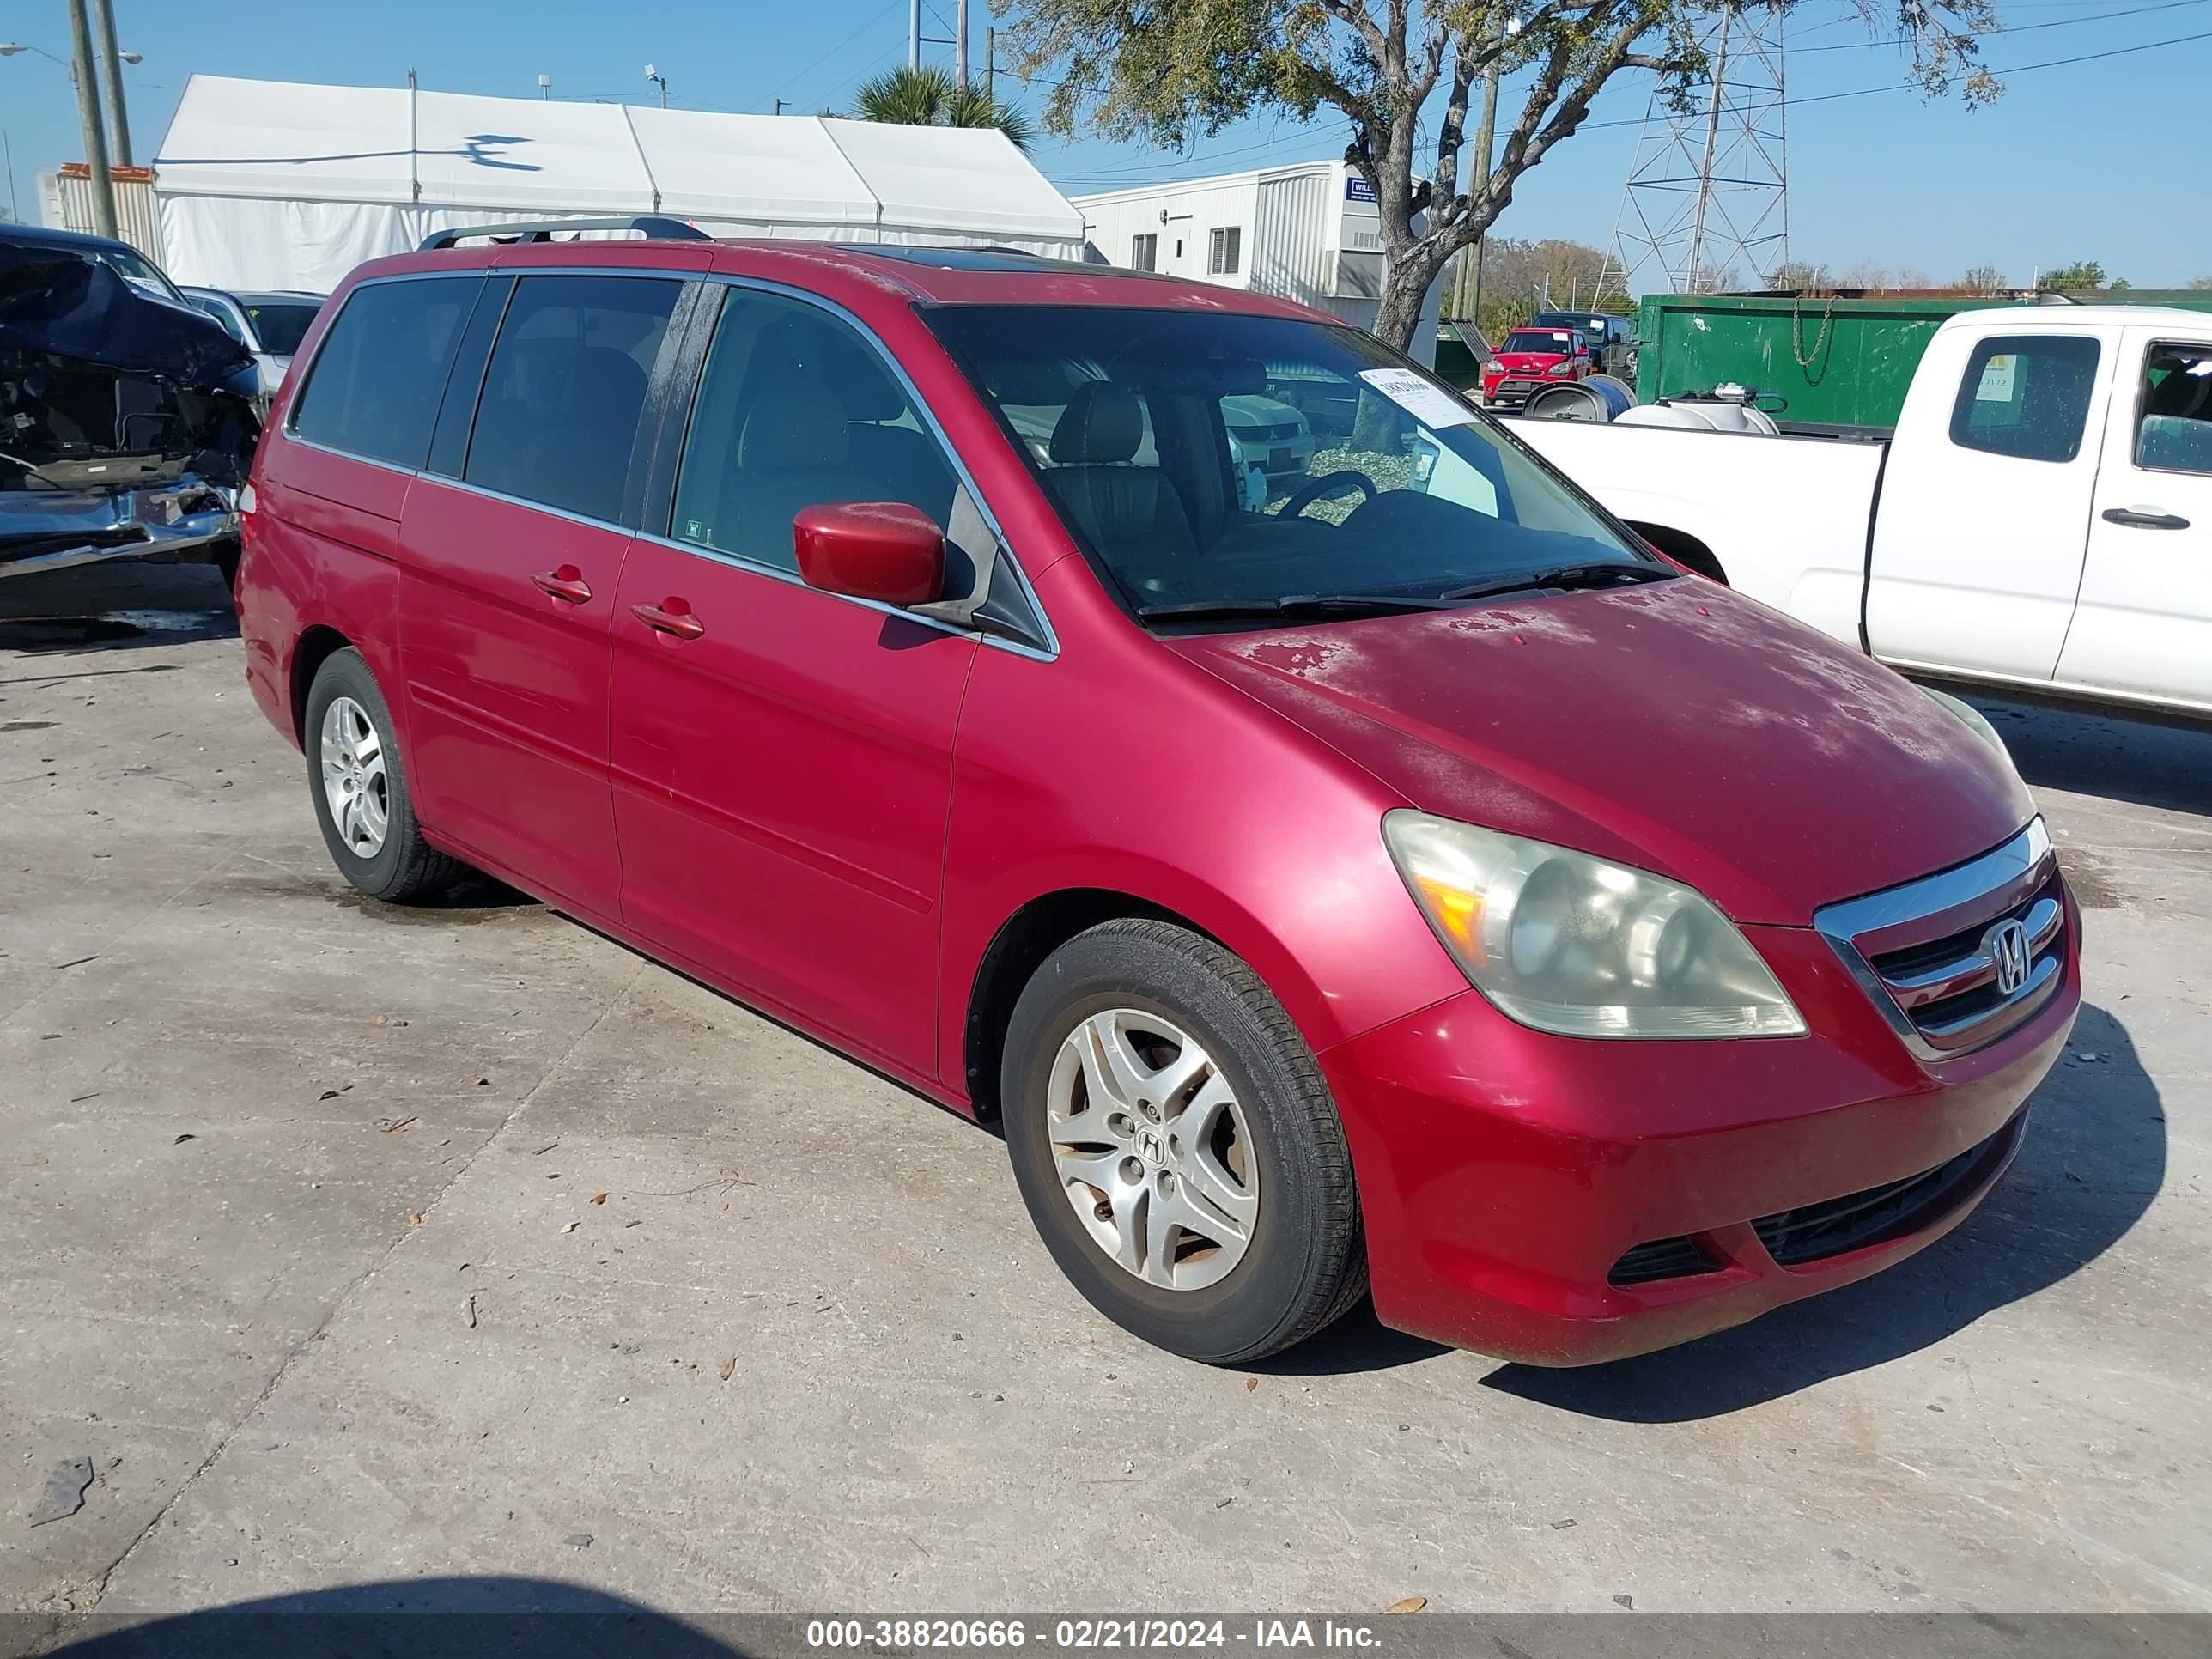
2101, 158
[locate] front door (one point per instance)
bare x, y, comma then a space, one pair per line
1982, 518
507, 585
2144, 625
783, 757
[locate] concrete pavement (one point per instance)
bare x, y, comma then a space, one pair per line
297, 1201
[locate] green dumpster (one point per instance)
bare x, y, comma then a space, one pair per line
1840, 362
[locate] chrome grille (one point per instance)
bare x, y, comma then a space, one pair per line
1955, 960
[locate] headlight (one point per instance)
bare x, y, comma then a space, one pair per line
1972, 719
1560, 368
1575, 945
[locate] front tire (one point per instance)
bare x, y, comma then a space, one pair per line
359, 785
1177, 1147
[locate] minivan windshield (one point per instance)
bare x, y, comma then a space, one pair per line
1219, 465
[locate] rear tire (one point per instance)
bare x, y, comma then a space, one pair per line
1276, 1253
359, 786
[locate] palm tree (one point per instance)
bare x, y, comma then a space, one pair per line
928, 97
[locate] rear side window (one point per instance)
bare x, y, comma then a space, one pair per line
2027, 396
565, 390
375, 386
2174, 432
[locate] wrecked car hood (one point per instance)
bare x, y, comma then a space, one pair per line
127, 421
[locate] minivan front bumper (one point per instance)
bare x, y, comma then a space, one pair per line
1566, 1201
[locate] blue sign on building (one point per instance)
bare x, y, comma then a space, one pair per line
1357, 189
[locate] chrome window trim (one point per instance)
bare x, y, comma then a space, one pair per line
1844, 923
1050, 650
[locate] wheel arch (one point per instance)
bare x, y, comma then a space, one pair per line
1681, 547
314, 647
1017, 950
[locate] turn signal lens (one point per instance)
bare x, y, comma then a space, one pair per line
1580, 946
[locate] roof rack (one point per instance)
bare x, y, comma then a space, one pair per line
652, 227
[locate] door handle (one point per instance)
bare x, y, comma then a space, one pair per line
2145, 518
671, 616
566, 584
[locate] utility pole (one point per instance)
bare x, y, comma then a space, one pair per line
913, 34
1486, 137
87, 114
960, 43
991, 66
779, 106
112, 67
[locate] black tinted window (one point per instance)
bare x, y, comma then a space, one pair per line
377, 380
796, 409
2026, 396
562, 398
282, 327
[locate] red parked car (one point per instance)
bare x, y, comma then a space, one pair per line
1533, 358
1412, 880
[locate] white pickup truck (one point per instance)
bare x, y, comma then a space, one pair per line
2041, 517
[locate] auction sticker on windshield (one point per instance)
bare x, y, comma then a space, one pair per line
1433, 407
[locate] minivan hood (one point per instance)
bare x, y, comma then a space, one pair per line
1677, 726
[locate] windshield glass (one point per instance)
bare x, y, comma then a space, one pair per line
280, 327
139, 272
1203, 458
1539, 339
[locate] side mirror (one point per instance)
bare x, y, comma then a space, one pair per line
882, 550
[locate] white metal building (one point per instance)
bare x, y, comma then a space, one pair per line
1306, 232
280, 184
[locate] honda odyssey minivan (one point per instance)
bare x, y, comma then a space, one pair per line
1408, 881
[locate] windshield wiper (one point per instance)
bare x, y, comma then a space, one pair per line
1290, 604
1566, 575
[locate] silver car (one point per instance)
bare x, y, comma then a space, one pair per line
270, 324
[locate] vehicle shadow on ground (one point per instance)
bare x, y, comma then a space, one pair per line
2093, 1158
421, 1617
2167, 765
120, 606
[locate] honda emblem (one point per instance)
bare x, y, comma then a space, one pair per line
2007, 946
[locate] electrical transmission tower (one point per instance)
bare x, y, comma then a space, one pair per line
1708, 196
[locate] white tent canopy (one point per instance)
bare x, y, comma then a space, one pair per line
277, 185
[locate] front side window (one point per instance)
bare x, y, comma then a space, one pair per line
795, 410
565, 390
1145, 252
376, 382
2173, 431
2026, 396
1209, 460
1224, 249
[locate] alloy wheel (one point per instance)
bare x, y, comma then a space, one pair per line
1153, 1149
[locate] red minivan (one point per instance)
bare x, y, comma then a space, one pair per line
1408, 880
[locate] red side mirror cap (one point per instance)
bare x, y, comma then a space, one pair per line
882, 550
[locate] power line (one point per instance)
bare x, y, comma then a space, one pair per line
2016, 28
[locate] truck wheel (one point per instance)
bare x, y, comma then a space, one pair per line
1176, 1147
360, 789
